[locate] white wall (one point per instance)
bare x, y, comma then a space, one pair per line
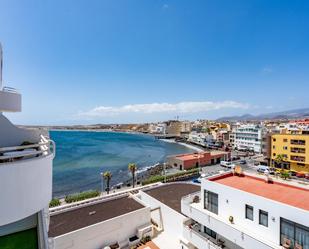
172, 220
118, 229
25, 188
10, 135
10, 102
232, 203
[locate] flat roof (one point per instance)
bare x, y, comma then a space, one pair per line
171, 194
191, 156
277, 191
75, 219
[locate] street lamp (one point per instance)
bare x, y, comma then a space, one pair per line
102, 182
164, 169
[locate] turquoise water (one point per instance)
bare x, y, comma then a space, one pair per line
82, 155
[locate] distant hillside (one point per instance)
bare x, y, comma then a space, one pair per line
291, 114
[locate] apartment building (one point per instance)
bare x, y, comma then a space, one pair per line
26, 158
295, 150
248, 137
245, 211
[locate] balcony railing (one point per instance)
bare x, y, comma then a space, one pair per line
196, 228
14, 153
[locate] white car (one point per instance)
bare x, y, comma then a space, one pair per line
227, 164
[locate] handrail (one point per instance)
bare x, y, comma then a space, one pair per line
9, 89
41, 148
201, 236
21, 147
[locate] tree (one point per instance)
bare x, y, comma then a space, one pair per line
132, 168
279, 160
107, 176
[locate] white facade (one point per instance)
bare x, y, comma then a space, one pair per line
26, 158
242, 232
200, 138
159, 128
105, 233
248, 137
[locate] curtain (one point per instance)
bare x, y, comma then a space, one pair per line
302, 237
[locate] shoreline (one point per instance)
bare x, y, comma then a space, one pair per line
190, 146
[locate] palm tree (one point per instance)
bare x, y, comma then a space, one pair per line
279, 160
107, 176
132, 168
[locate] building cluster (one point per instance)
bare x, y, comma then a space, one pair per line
231, 210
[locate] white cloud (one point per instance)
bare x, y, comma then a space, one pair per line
165, 6
178, 108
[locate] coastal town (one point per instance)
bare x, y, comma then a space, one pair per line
154, 124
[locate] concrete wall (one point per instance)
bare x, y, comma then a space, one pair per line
10, 102
172, 220
26, 188
118, 229
10, 135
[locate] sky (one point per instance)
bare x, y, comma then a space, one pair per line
129, 61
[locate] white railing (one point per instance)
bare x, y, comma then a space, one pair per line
99, 199
43, 148
193, 227
9, 89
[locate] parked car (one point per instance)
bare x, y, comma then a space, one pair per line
227, 164
262, 168
242, 162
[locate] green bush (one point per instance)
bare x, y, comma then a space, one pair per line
54, 202
81, 196
173, 177
284, 175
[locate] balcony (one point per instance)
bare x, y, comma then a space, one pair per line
232, 232
10, 100
192, 231
25, 179
298, 142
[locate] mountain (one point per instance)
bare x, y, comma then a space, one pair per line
290, 114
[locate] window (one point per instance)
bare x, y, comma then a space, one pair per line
274, 139
285, 147
263, 218
210, 232
285, 140
249, 212
294, 233
211, 201
274, 147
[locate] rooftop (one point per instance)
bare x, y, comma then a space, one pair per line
75, 219
171, 194
277, 191
196, 155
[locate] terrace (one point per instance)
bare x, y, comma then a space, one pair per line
77, 218
171, 194
293, 195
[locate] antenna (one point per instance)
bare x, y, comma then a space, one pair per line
1, 65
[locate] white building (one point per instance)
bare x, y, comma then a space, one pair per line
248, 137
25, 178
159, 128
246, 212
200, 138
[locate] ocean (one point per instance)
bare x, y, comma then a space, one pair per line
82, 155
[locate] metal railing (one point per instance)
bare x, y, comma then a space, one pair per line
43, 148
9, 89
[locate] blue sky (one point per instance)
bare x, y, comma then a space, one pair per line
138, 61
